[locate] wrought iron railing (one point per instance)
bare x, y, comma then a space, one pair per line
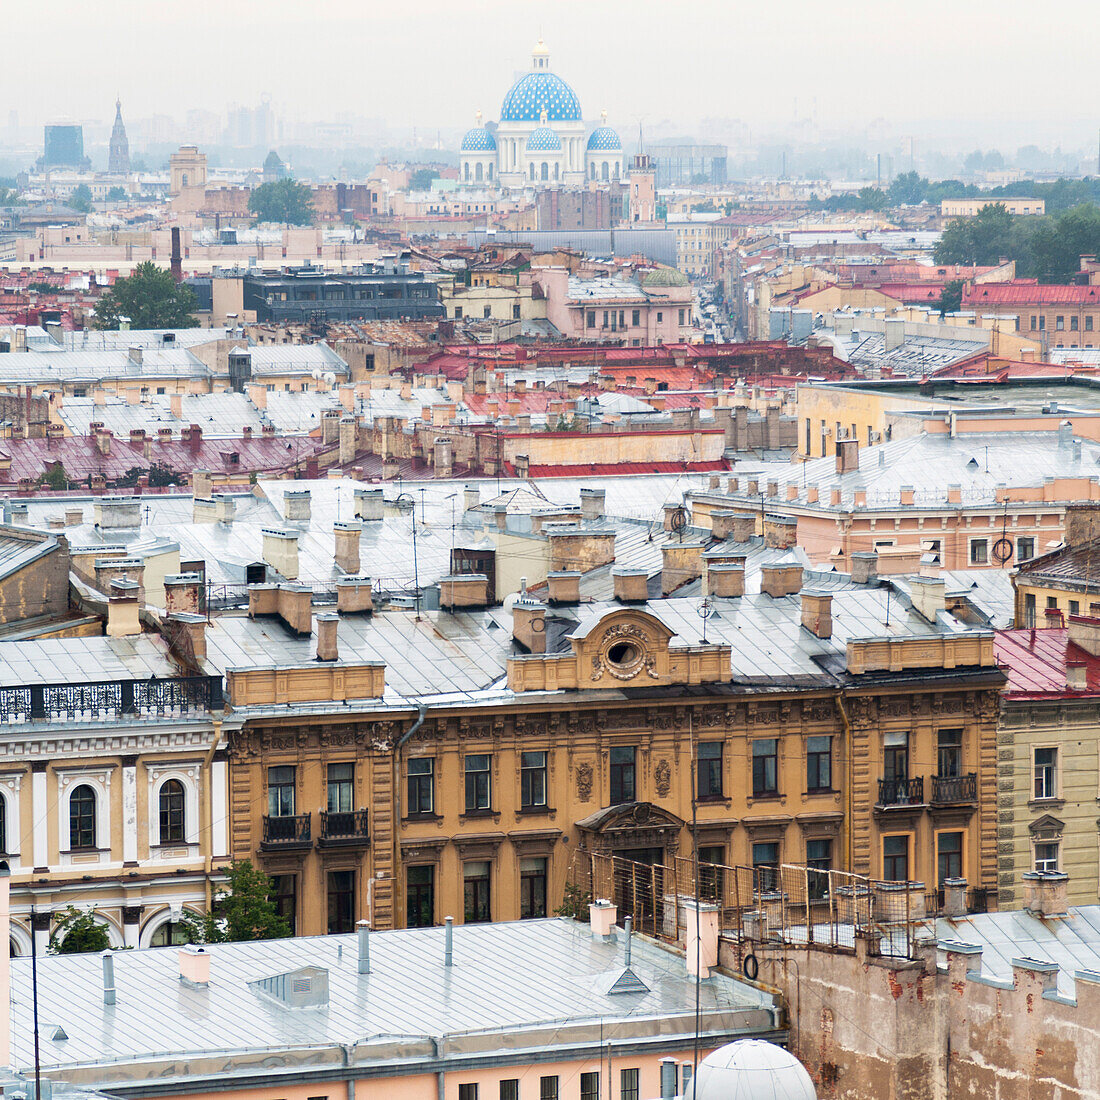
901, 792
289, 830
954, 788
344, 827
108, 700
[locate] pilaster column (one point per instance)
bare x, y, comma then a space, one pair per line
129, 811
40, 815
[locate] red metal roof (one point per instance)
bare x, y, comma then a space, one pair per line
1035, 661
1017, 293
601, 469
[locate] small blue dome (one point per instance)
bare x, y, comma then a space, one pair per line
604, 139
543, 140
537, 92
478, 140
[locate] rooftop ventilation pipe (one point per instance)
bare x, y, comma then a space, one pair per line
109, 994
448, 940
363, 930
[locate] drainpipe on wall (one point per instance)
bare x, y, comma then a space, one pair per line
421, 714
208, 815
437, 1049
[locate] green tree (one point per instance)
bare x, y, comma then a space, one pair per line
982, 240
150, 297
116, 194
55, 478
81, 199
421, 179
77, 932
1055, 247
908, 189
243, 909
285, 201
951, 297
872, 198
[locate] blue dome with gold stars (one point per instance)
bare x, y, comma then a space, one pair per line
543, 140
604, 139
478, 140
537, 92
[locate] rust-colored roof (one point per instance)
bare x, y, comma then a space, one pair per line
1029, 294
1036, 659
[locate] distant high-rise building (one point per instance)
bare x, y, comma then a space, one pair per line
63, 147
118, 156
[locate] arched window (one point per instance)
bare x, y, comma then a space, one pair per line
3, 826
82, 831
615, 171
592, 170
478, 172
170, 934
532, 171
490, 171
172, 813
603, 170
467, 170
545, 170
555, 171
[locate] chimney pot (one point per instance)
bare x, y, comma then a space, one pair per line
194, 965
601, 918
328, 625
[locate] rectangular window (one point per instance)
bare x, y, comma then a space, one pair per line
895, 858
341, 779
467, 1090
284, 896
1088, 324
605, 318
475, 877
710, 770
979, 551
1042, 323
458, 313
819, 861
1025, 548
1046, 855
765, 861
515, 312
949, 855
509, 1089
532, 888
819, 763
1033, 322
660, 316
590, 322
712, 872
422, 785
628, 1084
1029, 609
1046, 773
420, 896
765, 767
280, 791
1074, 607
590, 1086
548, 1088
1059, 323
1073, 324
949, 753
635, 317
681, 316
622, 775
532, 780
477, 782
341, 901
895, 756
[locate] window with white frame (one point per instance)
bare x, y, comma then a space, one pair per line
1046, 855
979, 551
1046, 773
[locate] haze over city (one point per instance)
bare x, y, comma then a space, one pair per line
549, 551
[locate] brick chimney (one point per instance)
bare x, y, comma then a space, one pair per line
780, 579
347, 535
353, 594
563, 587
630, 585
847, 456
122, 609
725, 580
182, 593
529, 624
328, 625
1045, 893
817, 612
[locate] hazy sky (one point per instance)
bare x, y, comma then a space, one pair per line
1007, 72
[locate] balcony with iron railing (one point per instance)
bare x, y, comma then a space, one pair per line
344, 828
111, 700
954, 790
286, 831
898, 793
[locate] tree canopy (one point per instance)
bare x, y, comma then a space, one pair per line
1048, 248
116, 194
285, 201
81, 198
150, 297
77, 932
243, 909
421, 179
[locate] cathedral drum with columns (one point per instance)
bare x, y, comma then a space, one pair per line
541, 139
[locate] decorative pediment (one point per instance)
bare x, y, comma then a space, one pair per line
1046, 826
623, 647
630, 816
